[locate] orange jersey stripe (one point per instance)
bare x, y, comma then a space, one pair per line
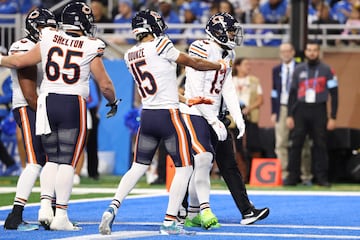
195, 143
183, 142
26, 131
162, 44
82, 132
198, 51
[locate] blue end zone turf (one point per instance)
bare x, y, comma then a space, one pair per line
291, 217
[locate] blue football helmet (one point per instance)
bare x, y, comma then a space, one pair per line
39, 17
78, 16
148, 21
225, 30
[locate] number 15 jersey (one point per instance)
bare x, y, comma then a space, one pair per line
152, 65
66, 61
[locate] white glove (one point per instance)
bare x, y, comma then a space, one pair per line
241, 126
220, 130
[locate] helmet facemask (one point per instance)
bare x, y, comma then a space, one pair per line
235, 35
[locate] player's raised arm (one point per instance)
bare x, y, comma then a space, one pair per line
199, 63
29, 58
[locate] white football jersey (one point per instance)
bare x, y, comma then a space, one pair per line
21, 46
207, 84
66, 61
152, 65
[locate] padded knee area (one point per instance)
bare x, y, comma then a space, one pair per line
203, 161
203, 165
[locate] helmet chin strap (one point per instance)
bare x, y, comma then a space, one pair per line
221, 44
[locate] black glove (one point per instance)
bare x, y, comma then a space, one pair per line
113, 107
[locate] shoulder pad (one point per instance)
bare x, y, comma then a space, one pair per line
163, 43
22, 45
199, 48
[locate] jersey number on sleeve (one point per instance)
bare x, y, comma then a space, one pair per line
141, 76
52, 68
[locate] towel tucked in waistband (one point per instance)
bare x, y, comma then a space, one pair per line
42, 122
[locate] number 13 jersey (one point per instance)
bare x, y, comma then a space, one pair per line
66, 61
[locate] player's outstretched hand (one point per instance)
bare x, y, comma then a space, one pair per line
198, 100
113, 107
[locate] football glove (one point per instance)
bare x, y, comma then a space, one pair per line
241, 126
198, 100
219, 129
113, 108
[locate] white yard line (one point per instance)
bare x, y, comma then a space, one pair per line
138, 234
147, 191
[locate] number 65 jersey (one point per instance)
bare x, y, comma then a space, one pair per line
66, 61
152, 65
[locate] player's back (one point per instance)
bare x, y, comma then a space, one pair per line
153, 67
21, 46
66, 61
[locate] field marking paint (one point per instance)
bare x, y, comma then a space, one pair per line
162, 191
136, 234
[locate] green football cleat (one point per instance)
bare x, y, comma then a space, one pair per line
209, 220
195, 222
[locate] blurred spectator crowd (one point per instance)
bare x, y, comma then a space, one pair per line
345, 12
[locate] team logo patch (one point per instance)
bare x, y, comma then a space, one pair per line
34, 14
218, 19
86, 10
155, 14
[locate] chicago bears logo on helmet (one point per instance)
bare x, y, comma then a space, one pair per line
225, 30
148, 21
39, 17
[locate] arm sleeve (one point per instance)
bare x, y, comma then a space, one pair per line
292, 102
101, 48
274, 94
230, 98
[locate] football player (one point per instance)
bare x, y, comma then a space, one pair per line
225, 33
68, 56
25, 83
152, 62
